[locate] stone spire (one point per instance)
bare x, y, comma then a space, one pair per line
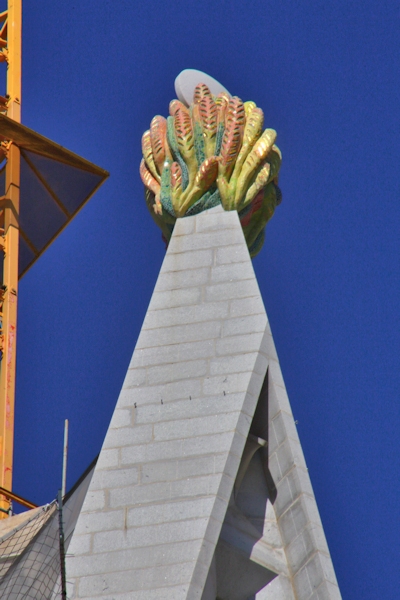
201, 490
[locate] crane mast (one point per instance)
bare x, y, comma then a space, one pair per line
10, 105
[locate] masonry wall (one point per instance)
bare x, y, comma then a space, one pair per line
159, 494
154, 511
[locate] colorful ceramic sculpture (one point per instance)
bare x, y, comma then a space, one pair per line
213, 152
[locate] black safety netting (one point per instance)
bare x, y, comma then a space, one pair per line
30, 562
33, 546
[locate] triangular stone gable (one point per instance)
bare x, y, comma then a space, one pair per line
161, 509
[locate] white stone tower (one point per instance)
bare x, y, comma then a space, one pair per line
201, 490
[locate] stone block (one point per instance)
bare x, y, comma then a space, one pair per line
82, 544
276, 374
241, 307
182, 315
327, 568
304, 588
195, 466
121, 418
326, 591
234, 253
169, 511
277, 399
280, 588
293, 521
188, 260
226, 464
311, 508
104, 479
230, 290
177, 297
238, 344
192, 406
176, 371
283, 426
233, 364
268, 345
213, 443
99, 521
243, 325
152, 545
108, 458
95, 500
176, 280
193, 487
135, 377
139, 579
132, 455
260, 368
289, 454
226, 237
183, 227
179, 334
179, 469
142, 558
215, 220
290, 488
233, 383
174, 390
147, 357
141, 494
300, 549
316, 572
187, 428
230, 272
123, 437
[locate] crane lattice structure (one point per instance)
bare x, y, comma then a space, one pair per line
10, 43
42, 187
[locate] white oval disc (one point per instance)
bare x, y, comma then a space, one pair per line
187, 81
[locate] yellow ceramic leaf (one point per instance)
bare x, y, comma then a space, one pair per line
208, 114
260, 182
158, 137
220, 154
258, 154
223, 188
176, 176
148, 155
176, 184
222, 99
184, 136
201, 91
233, 134
275, 160
252, 131
149, 181
207, 173
249, 106
264, 145
175, 105
276, 149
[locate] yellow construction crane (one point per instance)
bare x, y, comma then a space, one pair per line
10, 43
58, 183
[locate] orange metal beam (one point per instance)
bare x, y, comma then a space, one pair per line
10, 263
17, 498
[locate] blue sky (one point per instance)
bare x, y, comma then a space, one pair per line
327, 77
